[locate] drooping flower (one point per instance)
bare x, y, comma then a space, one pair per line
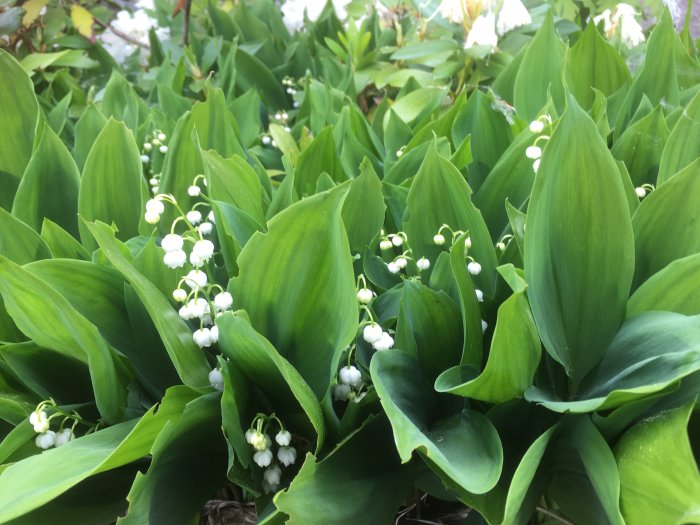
423, 263
483, 32
46, 440
196, 279
372, 333
364, 295
40, 421
263, 458
474, 268
283, 438
63, 437
287, 455
349, 375
216, 379
385, 342
223, 301
175, 259
172, 242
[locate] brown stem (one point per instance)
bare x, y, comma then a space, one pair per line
186, 24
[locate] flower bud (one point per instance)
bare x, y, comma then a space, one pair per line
148, 146
479, 295
641, 192
484, 326
385, 245
467, 243
474, 268
364, 295
145, 159
537, 126
180, 295
533, 152
372, 333
163, 149
194, 191
536, 165
216, 379
423, 263
439, 239
161, 136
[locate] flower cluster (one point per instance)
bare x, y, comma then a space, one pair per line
155, 145
257, 436
534, 152
41, 422
622, 18
400, 262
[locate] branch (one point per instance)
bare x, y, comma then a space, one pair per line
120, 34
186, 24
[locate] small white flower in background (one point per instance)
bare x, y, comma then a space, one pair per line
266, 140
536, 165
479, 295
205, 228
216, 379
537, 126
145, 159
641, 192
385, 245
287, 455
147, 146
46, 440
364, 295
136, 25
452, 10
63, 437
512, 14
263, 458
214, 334
154, 208
210, 216
341, 392
194, 216
385, 342
474, 268
484, 326
223, 301
196, 279
249, 434
201, 252
500, 246
180, 295
185, 313
393, 267
423, 263
622, 17
194, 191
372, 333
161, 137
397, 240
439, 239
153, 181
175, 259
349, 375
483, 32
154, 190
401, 262
201, 338
40, 421
198, 307
273, 475
259, 440
467, 243
533, 152
172, 242
283, 438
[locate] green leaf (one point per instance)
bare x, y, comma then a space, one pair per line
284, 390
173, 454
63, 468
363, 210
18, 120
672, 289
667, 209
641, 145
540, 72
340, 489
659, 476
18, 242
416, 104
683, 145
51, 321
61, 243
318, 158
513, 359
652, 351
87, 129
464, 450
594, 63
298, 277
578, 202
120, 101
187, 358
112, 188
49, 188
440, 195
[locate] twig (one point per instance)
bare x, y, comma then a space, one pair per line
551, 514
120, 34
186, 24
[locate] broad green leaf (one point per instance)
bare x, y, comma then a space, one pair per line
683, 145
283, 388
513, 359
120, 101
363, 210
49, 187
112, 188
651, 351
252, 73
464, 450
667, 209
234, 228
594, 63
440, 195
641, 145
190, 363
61, 243
318, 158
540, 72
87, 129
45, 316
246, 110
674, 288
63, 468
339, 489
215, 129
187, 477
578, 245
234, 182
659, 476
18, 242
58, 116
298, 277
416, 104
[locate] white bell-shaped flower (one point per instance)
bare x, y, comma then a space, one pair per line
194, 191
155, 206
484, 326
163, 149
287, 455
385, 245
175, 259
341, 392
537, 126
511, 15
223, 301
205, 228
479, 295
536, 165
283, 438
364, 295
201, 337
385, 342
439, 239
423, 263
474, 268
46, 440
172, 242
151, 217
273, 476
349, 375
194, 216
63, 437
482, 32
397, 240
393, 267
180, 295
216, 379
196, 279
214, 334
641, 192
263, 458
533, 152
40, 421
372, 333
